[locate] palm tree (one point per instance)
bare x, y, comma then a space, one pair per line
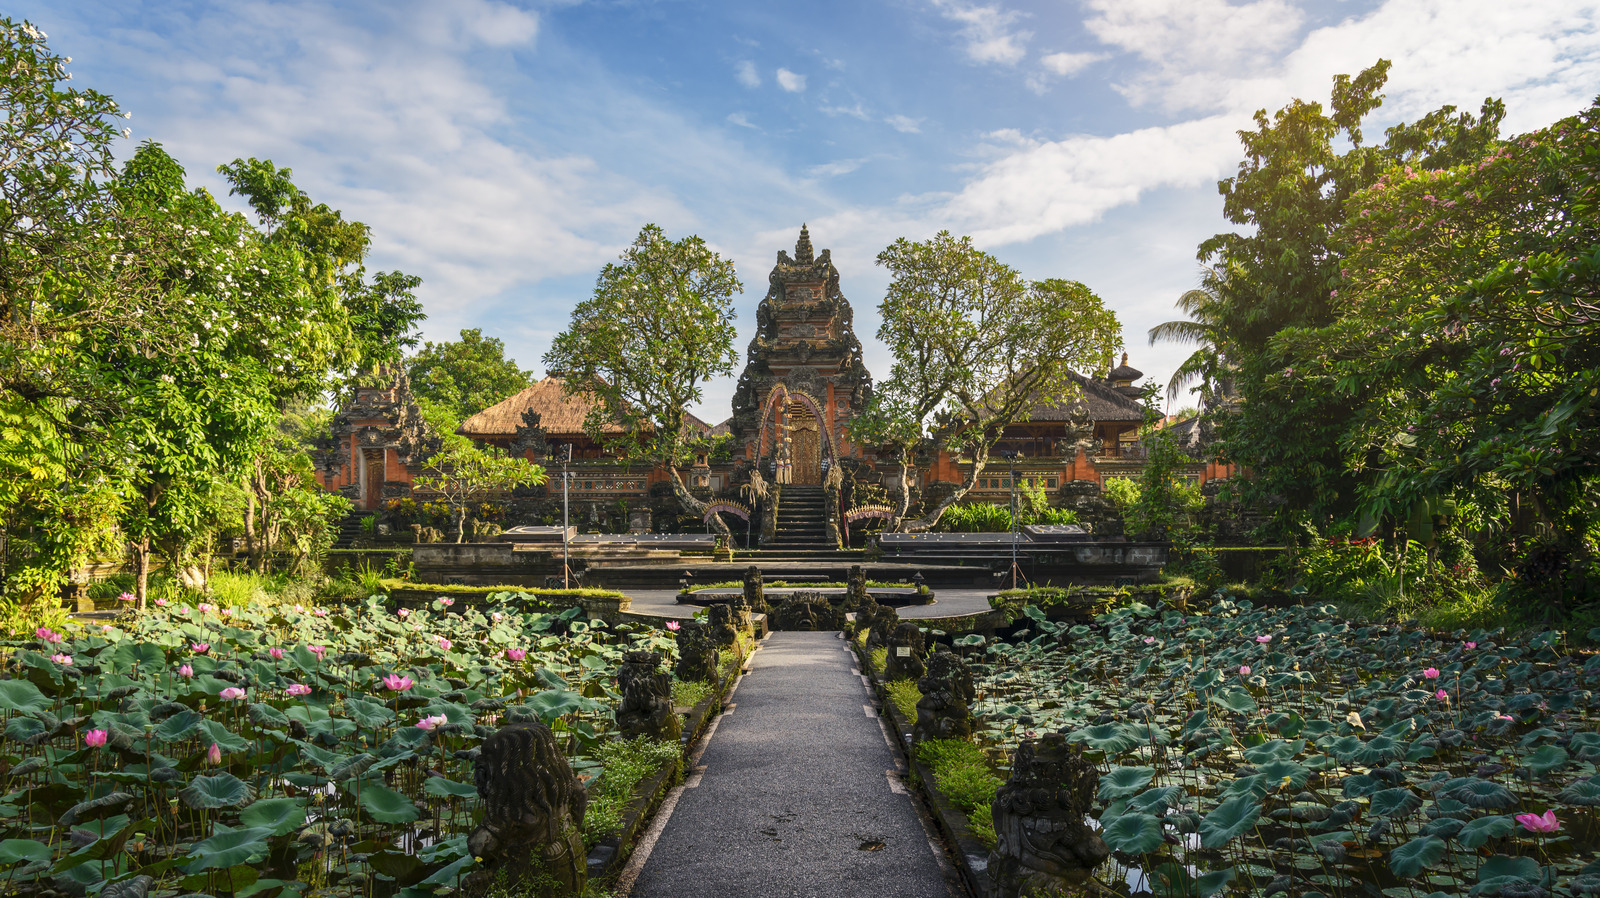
1203, 306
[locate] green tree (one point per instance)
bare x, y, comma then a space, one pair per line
1165, 498
464, 474
976, 347
658, 327
460, 378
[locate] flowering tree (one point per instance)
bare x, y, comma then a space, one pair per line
657, 329
463, 474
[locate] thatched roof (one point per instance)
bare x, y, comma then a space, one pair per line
1104, 402
559, 414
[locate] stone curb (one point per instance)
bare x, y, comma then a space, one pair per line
971, 855
608, 857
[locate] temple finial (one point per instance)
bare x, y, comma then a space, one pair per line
802, 248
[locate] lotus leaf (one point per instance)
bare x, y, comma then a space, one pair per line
1584, 793
1122, 782
1229, 820
229, 848
1484, 794
218, 732
1254, 786
1409, 860
1476, 833
268, 716
386, 805
366, 713
1396, 802
1154, 801
1499, 871
1284, 774
14, 851
279, 816
179, 726
1547, 759
1133, 834
97, 807
1111, 738
1236, 700
223, 790
1274, 750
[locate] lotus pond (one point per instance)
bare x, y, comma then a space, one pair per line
276, 750
1254, 751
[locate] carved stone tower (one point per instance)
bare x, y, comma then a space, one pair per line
804, 378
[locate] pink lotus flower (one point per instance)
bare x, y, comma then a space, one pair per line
497, 617
432, 722
94, 738
1244, 670
674, 626
185, 670
1471, 646
444, 644
227, 612
447, 602
1149, 640
1504, 717
298, 689
200, 648
204, 608
47, 634
1539, 823
516, 654
398, 683
183, 611
63, 660
320, 612
161, 603
232, 694
1264, 639
214, 754
1442, 696
276, 652
404, 612
1431, 673
318, 650
300, 609
106, 628
126, 597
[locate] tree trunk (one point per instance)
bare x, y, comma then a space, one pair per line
899, 519
141, 568
931, 519
695, 505
250, 536
461, 522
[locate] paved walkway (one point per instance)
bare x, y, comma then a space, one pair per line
796, 793
955, 602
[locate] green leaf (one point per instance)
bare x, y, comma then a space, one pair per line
179, 726
1417, 855
1396, 802
1484, 794
1122, 782
16, 850
1228, 821
1547, 758
223, 790
227, 849
278, 815
444, 788
23, 696
367, 714
226, 739
1477, 833
1236, 700
1133, 834
386, 805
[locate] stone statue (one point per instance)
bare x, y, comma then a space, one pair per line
754, 593
905, 653
784, 462
741, 614
697, 657
856, 589
724, 629
646, 708
1042, 845
531, 838
945, 709
880, 625
805, 611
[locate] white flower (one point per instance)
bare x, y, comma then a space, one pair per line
127, 132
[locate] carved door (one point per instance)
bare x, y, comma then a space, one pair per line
372, 500
806, 439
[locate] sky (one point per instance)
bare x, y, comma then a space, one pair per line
505, 151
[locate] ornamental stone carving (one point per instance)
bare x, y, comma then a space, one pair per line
1042, 844
531, 839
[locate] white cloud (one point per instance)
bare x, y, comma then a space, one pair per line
905, 124
988, 31
857, 111
834, 169
497, 24
791, 82
738, 118
1068, 64
747, 74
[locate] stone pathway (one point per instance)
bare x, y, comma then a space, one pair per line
797, 792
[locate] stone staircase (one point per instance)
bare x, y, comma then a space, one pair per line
802, 520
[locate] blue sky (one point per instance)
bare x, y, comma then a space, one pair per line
504, 151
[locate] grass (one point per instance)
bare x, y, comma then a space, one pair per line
688, 693
962, 774
905, 695
624, 765
878, 657
826, 584
389, 584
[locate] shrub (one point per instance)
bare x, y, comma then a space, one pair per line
688, 693
962, 774
905, 695
236, 590
624, 765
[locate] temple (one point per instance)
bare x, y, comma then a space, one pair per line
803, 382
